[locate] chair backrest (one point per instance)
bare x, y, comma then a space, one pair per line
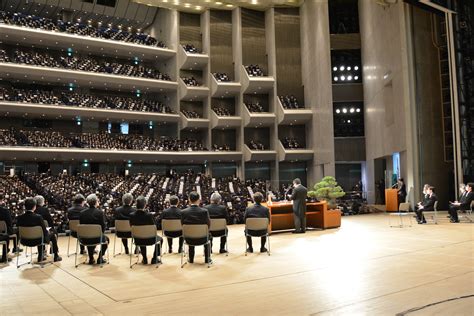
144, 231
404, 207
35, 232
256, 223
45, 223
171, 225
73, 223
435, 206
472, 206
122, 225
195, 231
3, 227
89, 231
218, 224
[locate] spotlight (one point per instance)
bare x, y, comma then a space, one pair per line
356, 77
358, 110
348, 67
349, 78
342, 68
352, 110
356, 67
336, 78
344, 110
348, 121
334, 68
343, 78
338, 111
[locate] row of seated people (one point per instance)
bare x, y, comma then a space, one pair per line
221, 77
50, 97
190, 81
80, 28
222, 111
191, 49
256, 145
255, 107
109, 188
290, 102
217, 147
89, 64
291, 143
254, 71
36, 214
47, 138
191, 114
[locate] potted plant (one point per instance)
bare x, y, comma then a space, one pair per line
327, 190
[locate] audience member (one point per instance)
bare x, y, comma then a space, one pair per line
427, 205
463, 204
254, 71
257, 211
216, 210
74, 213
173, 212
221, 76
94, 216
290, 102
123, 213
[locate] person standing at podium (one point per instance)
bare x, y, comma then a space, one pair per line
298, 197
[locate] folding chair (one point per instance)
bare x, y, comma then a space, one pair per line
31, 237
257, 224
3, 230
403, 211
72, 232
218, 229
468, 215
122, 230
90, 235
169, 226
192, 233
433, 214
142, 233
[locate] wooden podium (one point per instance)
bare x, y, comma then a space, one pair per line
391, 200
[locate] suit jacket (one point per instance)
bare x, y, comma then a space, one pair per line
466, 201
31, 219
299, 199
428, 204
74, 212
7, 218
195, 215
124, 211
217, 211
172, 213
92, 216
257, 211
44, 212
141, 217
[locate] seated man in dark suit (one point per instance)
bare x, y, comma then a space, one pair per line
195, 215
139, 218
42, 210
74, 212
92, 215
173, 212
427, 205
31, 219
218, 211
464, 203
257, 211
123, 213
5, 216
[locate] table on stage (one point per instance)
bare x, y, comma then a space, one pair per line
317, 216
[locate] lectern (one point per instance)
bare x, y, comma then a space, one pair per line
391, 200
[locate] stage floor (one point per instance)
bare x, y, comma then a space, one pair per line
364, 268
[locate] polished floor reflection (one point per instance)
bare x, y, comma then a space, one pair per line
363, 268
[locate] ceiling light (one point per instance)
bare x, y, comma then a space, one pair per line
348, 121
356, 77
342, 68
229, 5
349, 78
218, 3
344, 110
336, 78
343, 78
356, 67
338, 111
352, 110
349, 68
334, 68
358, 110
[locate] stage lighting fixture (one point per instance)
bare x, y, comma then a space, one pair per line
338, 111
343, 78
344, 110
334, 68
348, 121
356, 77
352, 110
349, 78
358, 110
342, 68
349, 68
356, 67
336, 78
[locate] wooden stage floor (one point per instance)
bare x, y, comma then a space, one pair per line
363, 268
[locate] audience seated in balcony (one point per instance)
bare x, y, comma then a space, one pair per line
254, 71
290, 102
221, 77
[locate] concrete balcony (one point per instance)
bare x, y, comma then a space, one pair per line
191, 61
293, 116
257, 119
224, 89
224, 121
192, 93
256, 84
258, 155
285, 154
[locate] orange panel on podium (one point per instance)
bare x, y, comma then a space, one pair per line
391, 200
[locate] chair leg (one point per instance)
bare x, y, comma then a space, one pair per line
115, 241
269, 247
130, 255
183, 256
226, 245
18, 254
68, 242
245, 245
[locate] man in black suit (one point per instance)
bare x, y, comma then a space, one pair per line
426, 205
42, 210
92, 215
173, 212
74, 212
299, 206
216, 210
195, 215
257, 211
31, 219
139, 218
7, 218
464, 203
123, 213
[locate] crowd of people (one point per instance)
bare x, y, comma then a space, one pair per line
49, 138
290, 102
291, 143
190, 114
254, 71
50, 97
221, 111
221, 77
255, 107
191, 49
190, 81
216, 147
256, 145
79, 28
89, 64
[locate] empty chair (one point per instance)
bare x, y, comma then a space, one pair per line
257, 227
403, 212
172, 228
143, 236
91, 235
4, 230
218, 229
31, 237
196, 235
432, 215
468, 215
122, 230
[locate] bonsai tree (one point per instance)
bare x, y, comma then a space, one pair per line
327, 190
